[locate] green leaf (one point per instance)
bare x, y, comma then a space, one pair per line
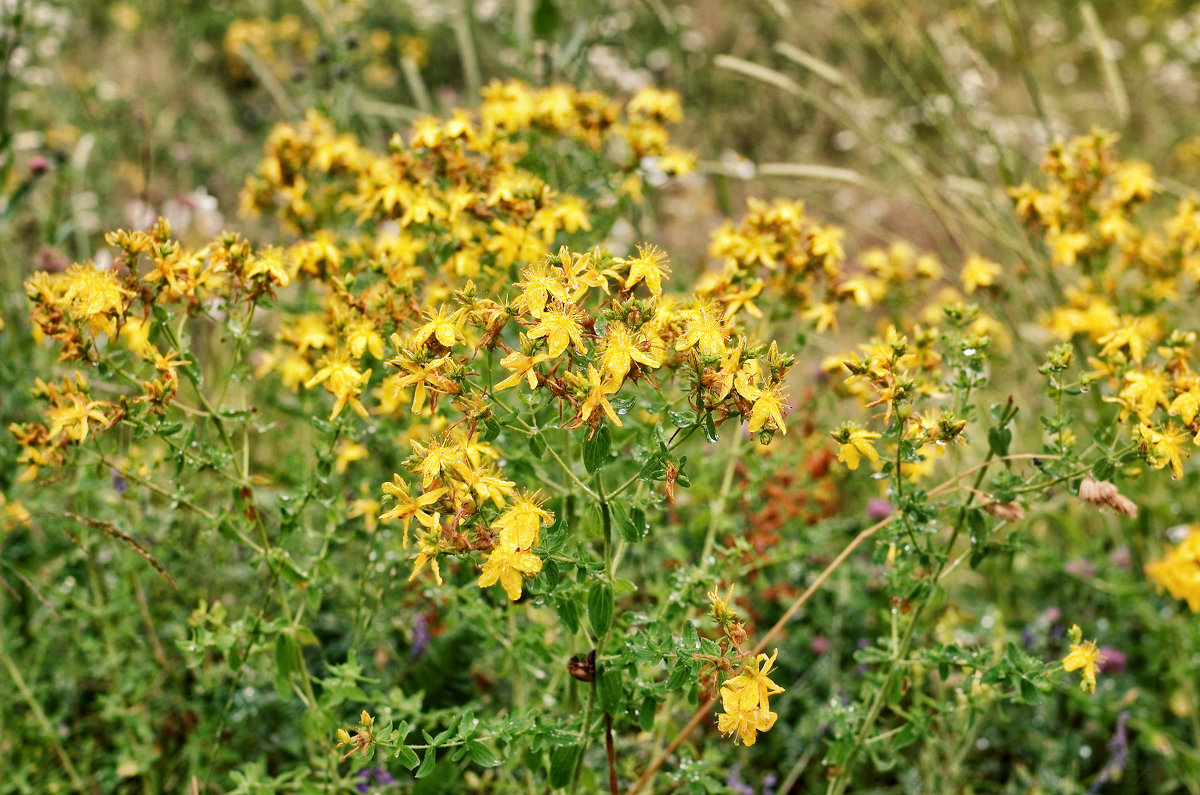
562, 764
646, 713
999, 440
408, 757
490, 430
537, 445
608, 689
681, 675
285, 655
568, 613
622, 404
691, 637
482, 755
428, 763
596, 450
546, 19
710, 428
600, 607
632, 525
682, 419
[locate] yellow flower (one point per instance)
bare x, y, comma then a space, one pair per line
720, 605
746, 724
703, 329
978, 272
648, 266
95, 296
1179, 571
768, 406
362, 336
428, 549
1186, 405
537, 285
520, 525
597, 398
521, 366
1143, 392
618, 351
446, 329
1160, 448
1085, 655
269, 265
408, 508
342, 379
509, 567
854, 442
422, 376
437, 457
1135, 337
561, 326
73, 417
745, 699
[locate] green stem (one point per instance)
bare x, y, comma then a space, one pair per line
40, 718
585, 727
717, 509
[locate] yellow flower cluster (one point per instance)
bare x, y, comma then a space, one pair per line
451, 248
1179, 571
745, 700
893, 372
777, 248
1127, 276
641, 335
88, 310
777, 244
386, 237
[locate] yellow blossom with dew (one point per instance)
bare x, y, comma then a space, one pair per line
520, 525
768, 407
509, 567
1083, 655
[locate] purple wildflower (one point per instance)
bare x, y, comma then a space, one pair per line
878, 509
420, 636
